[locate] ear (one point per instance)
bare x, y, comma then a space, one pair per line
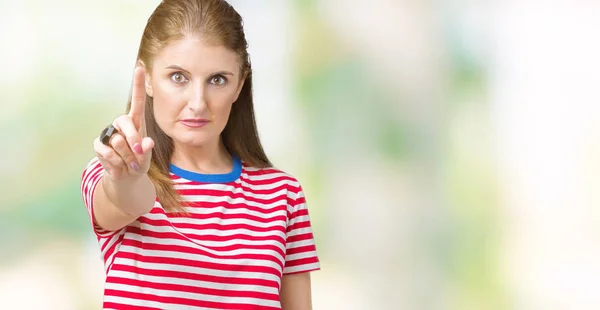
148, 81
148, 84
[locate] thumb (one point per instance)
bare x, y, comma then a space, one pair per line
146, 158
147, 145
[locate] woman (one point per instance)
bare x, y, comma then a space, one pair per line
188, 210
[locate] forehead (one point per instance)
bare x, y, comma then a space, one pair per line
195, 55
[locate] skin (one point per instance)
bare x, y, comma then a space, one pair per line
296, 292
183, 86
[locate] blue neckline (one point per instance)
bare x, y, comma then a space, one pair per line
210, 178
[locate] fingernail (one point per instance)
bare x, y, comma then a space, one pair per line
135, 166
138, 148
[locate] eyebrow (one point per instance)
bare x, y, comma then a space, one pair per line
175, 67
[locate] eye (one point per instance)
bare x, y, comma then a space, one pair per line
218, 80
178, 78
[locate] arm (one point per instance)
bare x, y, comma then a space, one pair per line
301, 255
125, 191
296, 292
118, 203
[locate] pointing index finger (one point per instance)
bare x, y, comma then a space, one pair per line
138, 97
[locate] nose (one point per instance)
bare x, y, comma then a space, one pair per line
197, 101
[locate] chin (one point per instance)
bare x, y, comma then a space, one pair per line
193, 139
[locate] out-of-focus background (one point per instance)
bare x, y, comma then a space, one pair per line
450, 150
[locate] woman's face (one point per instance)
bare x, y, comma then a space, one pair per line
193, 85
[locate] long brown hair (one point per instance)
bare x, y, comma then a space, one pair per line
216, 22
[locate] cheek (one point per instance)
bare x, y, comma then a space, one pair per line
168, 103
221, 107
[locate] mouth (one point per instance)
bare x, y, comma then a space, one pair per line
194, 122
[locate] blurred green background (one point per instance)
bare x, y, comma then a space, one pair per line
448, 149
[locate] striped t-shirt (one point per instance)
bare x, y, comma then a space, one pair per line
245, 230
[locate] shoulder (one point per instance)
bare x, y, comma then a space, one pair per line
92, 162
92, 166
270, 176
272, 180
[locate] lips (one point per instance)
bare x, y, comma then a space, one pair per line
194, 122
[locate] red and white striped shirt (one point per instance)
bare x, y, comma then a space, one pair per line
245, 230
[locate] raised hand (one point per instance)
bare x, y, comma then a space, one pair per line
129, 151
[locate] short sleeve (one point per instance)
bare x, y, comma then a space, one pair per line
89, 181
301, 252
109, 241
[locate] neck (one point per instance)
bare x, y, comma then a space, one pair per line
211, 158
